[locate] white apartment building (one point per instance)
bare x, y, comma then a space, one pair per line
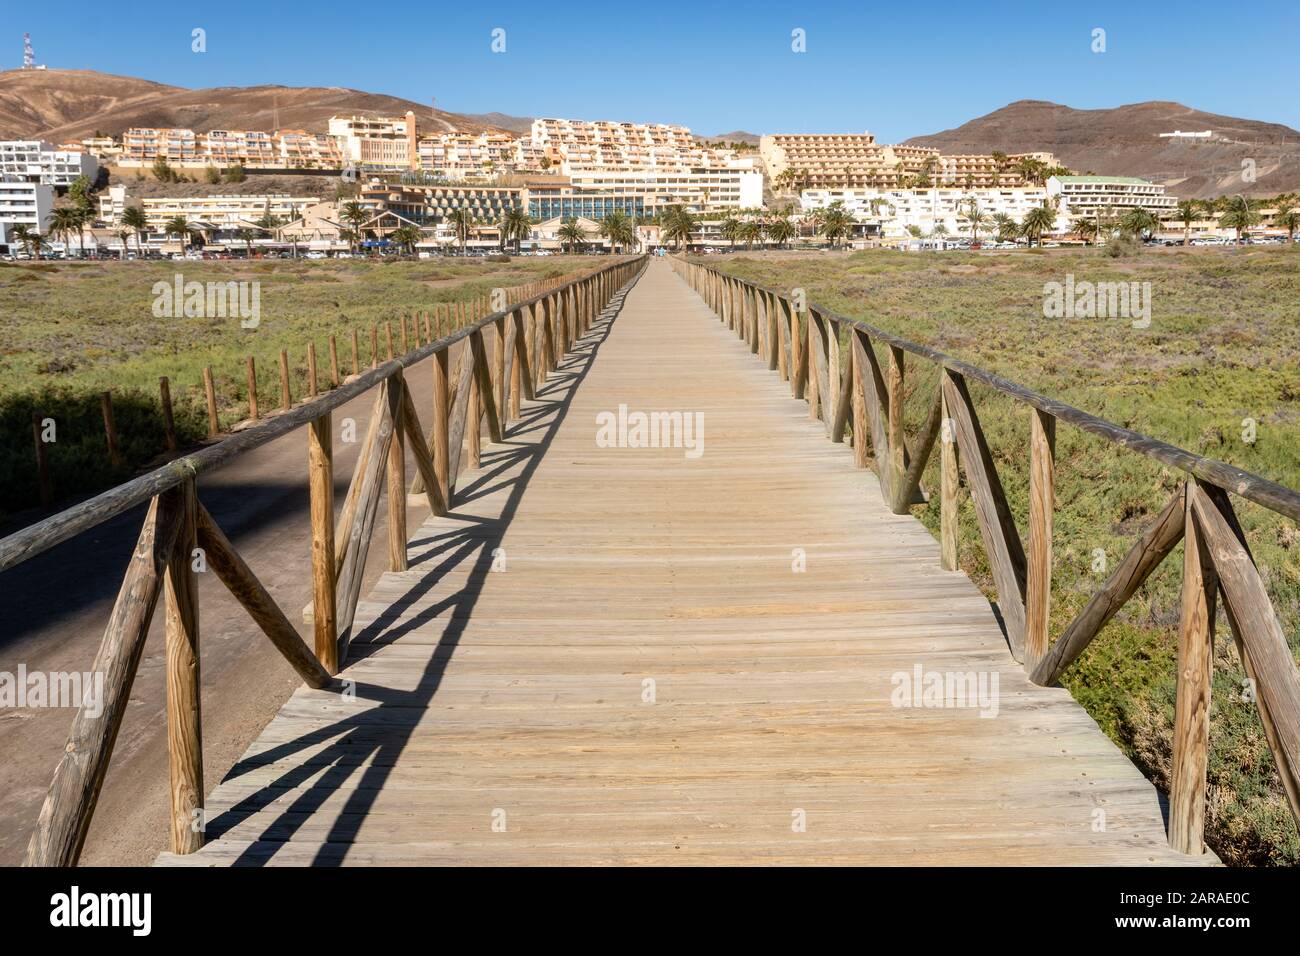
898, 209
37, 161
1089, 196
699, 188
376, 143
24, 204
455, 156
215, 214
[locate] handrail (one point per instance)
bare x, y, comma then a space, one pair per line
803, 345
1256, 488
532, 336
45, 534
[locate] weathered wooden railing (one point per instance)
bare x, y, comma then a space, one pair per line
531, 338
803, 342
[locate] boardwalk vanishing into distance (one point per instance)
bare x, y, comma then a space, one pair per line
727, 643
646, 678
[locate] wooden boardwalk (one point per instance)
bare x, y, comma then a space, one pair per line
607, 655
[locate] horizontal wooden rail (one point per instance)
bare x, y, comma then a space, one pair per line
1217, 559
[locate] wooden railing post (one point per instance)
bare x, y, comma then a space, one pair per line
210, 393
169, 421
252, 389
1191, 745
397, 485
441, 413
948, 484
110, 430
184, 716
894, 383
1042, 492
320, 480
286, 398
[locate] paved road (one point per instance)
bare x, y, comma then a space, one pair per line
55, 606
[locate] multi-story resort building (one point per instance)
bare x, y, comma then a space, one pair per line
299, 149
559, 198
143, 146
893, 212
458, 156
430, 205
36, 161
376, 144
856, 160
23, 203
1090, 196
213, 215
579, 144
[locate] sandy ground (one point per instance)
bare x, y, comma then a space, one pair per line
54, 608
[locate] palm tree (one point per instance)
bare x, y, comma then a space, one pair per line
1031, 169
730, 230
1038, 220
62, 223
407, 237
618, 229
463, 221
180, 228
85, 215
752, 231
355, 215
1139, 224
838, 223
515, 225
123, 236
1240, 215
782, 230
1187, 211
999, 166
29, 238
246, 236
678, 224
133, 218
572, 234
1287, 218
975, 218
1005, 227
1086, 229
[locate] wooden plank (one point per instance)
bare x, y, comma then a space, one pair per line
998, 532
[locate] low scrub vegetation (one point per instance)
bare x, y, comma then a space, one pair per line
71, 331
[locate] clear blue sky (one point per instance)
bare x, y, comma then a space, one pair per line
897, 69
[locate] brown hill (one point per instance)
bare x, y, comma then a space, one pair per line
735, 136
1125, 141
65, 105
